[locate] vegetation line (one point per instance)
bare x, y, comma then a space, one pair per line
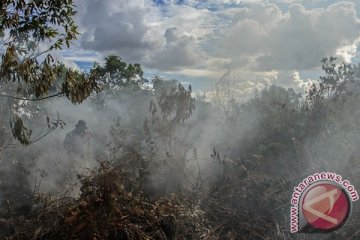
33, 99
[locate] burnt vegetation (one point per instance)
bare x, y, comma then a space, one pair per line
162, 164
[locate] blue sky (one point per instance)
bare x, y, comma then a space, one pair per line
261, 41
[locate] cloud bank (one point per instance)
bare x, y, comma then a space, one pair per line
207, 38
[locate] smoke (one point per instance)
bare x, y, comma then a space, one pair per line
231, 132
54, 159
270, 136
46, 161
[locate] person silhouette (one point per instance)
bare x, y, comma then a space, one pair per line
78, 140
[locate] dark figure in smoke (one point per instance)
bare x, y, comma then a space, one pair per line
78, 140
77, 144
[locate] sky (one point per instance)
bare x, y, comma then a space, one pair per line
196, 41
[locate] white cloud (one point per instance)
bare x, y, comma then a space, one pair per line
292, 79
256, 38
297, 39
164, 39
179, 51
347, 52
116, 26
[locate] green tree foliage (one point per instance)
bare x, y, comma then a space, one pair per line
337, 91
333, 110
172, 104
170, 107
340, 80
175, 102
116, 74
24, 26
29, 32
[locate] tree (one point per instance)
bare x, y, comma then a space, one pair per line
172, 104
118, 75
29, 32
334, 110
24, 26
170, 107
339, 80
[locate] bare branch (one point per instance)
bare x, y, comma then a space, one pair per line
60, 94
